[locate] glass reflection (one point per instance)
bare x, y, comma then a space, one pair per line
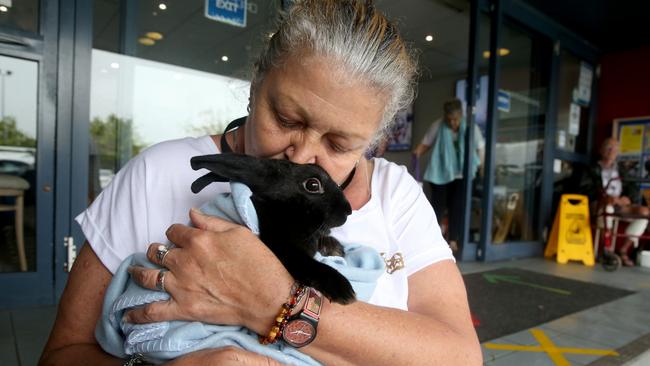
18, 117
20, 14
574, 100
136, 103
519, 151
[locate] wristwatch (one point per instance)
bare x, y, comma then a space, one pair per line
300, 329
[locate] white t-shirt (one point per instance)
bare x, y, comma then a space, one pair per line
610, 176
152, 191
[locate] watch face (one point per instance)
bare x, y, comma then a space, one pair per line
298, 332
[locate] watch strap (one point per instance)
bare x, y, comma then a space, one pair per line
313, 305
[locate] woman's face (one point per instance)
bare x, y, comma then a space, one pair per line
609, 150
307, 111
453, 119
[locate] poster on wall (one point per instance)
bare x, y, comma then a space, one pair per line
480, 112
399, 138
631, 139
583, 94
633, 135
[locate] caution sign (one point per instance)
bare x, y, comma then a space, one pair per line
571, 234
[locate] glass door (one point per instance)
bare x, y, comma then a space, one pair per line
519, 119
26, 158
519, 153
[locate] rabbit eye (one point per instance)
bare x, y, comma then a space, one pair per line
312, 185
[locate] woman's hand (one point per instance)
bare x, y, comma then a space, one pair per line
624, 201
219, 273
228, 356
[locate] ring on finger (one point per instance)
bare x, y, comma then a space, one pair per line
161, 253
160, 279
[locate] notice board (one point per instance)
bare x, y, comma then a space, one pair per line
633, 135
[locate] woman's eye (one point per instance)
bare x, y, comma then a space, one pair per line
338, 148
312, 185
287, 123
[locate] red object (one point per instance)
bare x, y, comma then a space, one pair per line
475, 321
608, 239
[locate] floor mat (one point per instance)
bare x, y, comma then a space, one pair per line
508, 300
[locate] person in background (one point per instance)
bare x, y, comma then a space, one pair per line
607, 180
444, 173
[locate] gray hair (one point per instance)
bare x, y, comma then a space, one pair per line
452, 105
367, 46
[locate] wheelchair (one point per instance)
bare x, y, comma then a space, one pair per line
605, 214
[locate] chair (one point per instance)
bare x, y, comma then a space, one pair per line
12, 186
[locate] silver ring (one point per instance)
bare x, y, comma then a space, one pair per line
161, 253
160, 280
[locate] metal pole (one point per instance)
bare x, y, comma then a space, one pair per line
2, 106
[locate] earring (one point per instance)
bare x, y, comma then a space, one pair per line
248, 108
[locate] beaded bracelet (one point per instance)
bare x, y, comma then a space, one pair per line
298, 291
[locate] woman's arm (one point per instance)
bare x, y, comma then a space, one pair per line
437, 329
421, 149
72, 340
223, 274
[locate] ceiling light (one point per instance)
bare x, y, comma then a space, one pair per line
145, 41
502, 52
271, 34
115, 65
224, 58
154, 35
428, 38
162, 6
4, 9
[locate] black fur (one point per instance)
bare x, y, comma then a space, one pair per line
294, 223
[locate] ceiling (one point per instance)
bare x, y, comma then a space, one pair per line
194, 41
611, 25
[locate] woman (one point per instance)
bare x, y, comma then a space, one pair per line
324, 90
604, 180
444, 173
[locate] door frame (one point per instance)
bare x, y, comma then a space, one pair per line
75, 46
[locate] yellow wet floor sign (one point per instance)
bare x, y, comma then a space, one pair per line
571, 234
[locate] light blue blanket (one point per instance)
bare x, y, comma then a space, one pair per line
163, 341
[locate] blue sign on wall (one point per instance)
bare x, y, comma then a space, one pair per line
227, 11
503, 101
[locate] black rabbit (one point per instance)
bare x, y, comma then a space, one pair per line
297, 205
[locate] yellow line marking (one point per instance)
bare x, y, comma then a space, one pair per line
550, 349
556, 354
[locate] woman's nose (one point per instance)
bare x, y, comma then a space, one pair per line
302, 152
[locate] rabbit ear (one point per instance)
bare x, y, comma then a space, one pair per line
204, 181
229, 167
